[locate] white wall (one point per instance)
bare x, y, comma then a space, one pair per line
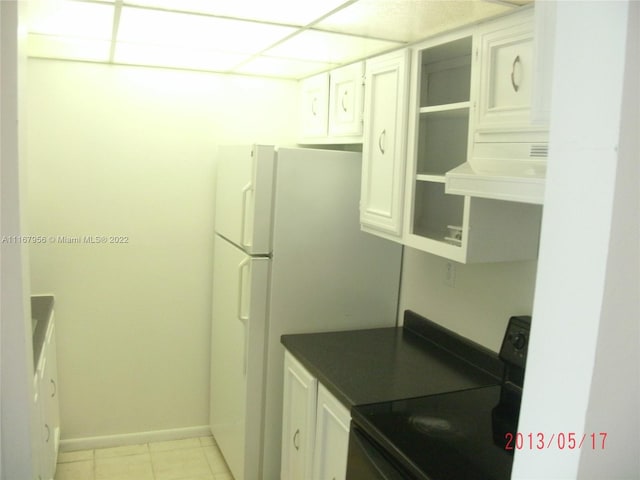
129, 151
584, 352
481, 301
18, 454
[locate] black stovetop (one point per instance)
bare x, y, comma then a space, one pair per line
458, 434
449, 436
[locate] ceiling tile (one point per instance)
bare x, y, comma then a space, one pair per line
408, 20
291, 12
329, 47
154, 27
176, 57
282, 67
51, 46
71, 19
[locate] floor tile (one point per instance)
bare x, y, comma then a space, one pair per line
198, 477
206, 441
128, 467
216, 460
180, 464
196, 458
174, 444
223, 476
65, 457
82, 470
122, 451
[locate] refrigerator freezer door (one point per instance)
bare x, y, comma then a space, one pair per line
237, 356
244, 196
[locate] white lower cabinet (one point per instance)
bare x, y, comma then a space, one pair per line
46, 406
332, 437
299, 416
315, 431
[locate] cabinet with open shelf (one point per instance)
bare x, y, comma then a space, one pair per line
441, 126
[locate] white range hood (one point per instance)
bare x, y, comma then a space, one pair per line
502, 171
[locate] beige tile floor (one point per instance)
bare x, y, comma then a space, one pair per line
188, 459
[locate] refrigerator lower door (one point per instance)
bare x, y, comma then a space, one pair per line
237, 356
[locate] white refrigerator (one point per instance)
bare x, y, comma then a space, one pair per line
289, 257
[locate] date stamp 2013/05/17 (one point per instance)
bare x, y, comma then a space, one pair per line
559, 440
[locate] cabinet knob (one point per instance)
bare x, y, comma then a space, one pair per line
342, 101
55, 388
314, 107
296, 439
46, 425
516, 62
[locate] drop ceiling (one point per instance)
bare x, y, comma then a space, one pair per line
275, 38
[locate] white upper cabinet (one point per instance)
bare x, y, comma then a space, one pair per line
441, 121
346, 100
384, 144
331, 106
506, 80
314, 106
510, 103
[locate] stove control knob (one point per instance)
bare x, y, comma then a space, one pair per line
519, 340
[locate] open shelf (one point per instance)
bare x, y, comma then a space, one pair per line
446, 73
435, 212
442, 141
454, 109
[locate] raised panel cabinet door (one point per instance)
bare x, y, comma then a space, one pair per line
47, 406
298, 428
507, 73
332, 437
384, 144
346, 100
314, 106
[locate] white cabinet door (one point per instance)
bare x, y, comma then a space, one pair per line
49, 392
384, 144
47, 406
506, 52
332, 438
314, 106
299, 417
346, 100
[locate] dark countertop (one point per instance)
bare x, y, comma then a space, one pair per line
41, 308
383, 364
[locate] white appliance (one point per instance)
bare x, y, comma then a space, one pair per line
289, 258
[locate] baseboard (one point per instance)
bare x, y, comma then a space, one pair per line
89, 443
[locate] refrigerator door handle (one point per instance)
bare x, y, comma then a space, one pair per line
248, 188
243, 317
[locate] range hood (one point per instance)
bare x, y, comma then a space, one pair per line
502, 171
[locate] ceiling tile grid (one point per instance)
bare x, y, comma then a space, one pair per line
276, 38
